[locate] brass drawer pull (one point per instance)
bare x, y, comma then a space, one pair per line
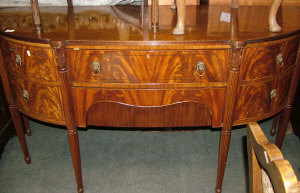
201, 67
25, 95
13, 48
279, 60
18, 60
96, 67
273, 95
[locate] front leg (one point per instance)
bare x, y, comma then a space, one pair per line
273, 25
179, 29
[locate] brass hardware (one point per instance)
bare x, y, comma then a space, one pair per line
273, 94
279, 59
25, 95
96, 67
13, 48
18, 60
148, 56
201, 68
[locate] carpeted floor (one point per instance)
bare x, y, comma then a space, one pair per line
131, 161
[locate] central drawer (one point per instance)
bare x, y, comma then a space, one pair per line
165, 66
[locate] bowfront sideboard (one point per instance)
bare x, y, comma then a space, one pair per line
103, 66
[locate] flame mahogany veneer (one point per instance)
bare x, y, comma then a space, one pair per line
105, 67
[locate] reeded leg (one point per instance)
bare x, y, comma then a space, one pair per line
273, 25
75, 153
16, 118
26, 125
223, 153
179, 29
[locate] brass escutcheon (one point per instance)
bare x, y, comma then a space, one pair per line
279, 59
273, 94
18, 60
25, 95
96, 67
201, 67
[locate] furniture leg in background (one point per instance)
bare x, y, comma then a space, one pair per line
286, 113
26, 125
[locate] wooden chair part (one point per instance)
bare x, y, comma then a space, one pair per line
265, 157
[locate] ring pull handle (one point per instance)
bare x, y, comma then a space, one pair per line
279, 60
18, 60
25, 95
201, 68
273, 95
96, 67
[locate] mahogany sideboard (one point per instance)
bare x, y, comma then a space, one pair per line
103, 66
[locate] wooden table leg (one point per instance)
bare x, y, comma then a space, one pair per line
67, 101
75, 153
231, 94
16, 118
15, 114
274, 124
285, 115
26, 125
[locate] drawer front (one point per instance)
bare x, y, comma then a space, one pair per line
167, 103
261, 61
42, 100
268, 97
30, 59
149, 66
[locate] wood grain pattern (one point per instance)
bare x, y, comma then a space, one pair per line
254, 100
43, 100
86, 97
149, 67
182, 114
260, 61
37, 62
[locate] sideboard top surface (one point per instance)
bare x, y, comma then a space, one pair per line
131, 24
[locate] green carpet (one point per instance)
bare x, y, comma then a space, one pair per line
131, 161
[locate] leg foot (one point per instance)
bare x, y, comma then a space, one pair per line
80, 190
28, 160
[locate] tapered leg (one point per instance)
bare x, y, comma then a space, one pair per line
179, 29
273, 25
75, 153
223, 153
26, 125
16, 118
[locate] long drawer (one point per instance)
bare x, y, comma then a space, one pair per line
165, 66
